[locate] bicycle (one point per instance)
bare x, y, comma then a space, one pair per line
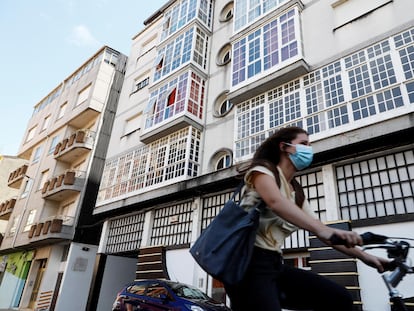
397, 250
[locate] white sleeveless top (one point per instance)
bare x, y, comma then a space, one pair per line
273, 229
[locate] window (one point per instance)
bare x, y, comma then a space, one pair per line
65, 252
376, 187
184, 93
248, 11
31, 133
223, 162
191, 45
111, 58
372, 83
222, 105
62, 110
172, 158
138, 85
223, 56
37, 154
264, 48
164, 233
53, 144
30, 220
43, 179
132, 125
27, 187
68, 211
150, 106
225, 107
171, 97
14, 223
221, 159
226, 13
46, 123
185, 11
83, 95
124, 234
159, 61
201, 47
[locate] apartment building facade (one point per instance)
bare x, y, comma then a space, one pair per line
50, 242
207, 81
8, 195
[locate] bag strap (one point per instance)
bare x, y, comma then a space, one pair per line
299, 194
238, 189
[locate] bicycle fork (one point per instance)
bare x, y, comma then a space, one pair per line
396, 300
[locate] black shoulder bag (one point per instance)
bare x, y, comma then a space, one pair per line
225, 247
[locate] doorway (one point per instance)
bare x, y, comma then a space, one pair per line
37, 282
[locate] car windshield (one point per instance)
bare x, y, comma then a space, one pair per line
188, 292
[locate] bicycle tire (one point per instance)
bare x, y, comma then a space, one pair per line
397, 304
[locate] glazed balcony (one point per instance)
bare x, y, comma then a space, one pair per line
65, 185
16, 177
52, 229
172, 108
6, 208
75, 146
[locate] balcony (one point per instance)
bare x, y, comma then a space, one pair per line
75, 146
276, 78
175, 107
63, 186
6, 209
52, 229
16, 177
170, 126
85, 113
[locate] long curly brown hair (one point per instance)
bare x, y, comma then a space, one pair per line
268, 153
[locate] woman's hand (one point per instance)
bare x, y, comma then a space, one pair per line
374, 261
349, 238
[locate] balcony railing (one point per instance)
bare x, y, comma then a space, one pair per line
53, 228
6, 209
16, 177
74, 146
63, 186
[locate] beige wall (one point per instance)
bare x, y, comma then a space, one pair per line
7, 165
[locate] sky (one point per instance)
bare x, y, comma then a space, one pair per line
43, 42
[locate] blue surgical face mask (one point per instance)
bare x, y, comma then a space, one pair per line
303, 156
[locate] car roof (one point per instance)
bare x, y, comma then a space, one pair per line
168, 282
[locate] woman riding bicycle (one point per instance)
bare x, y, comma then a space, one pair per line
269, 285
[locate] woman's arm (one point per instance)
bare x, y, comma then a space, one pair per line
269, 191
370, 260
266, 186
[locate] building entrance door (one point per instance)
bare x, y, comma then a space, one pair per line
38, 281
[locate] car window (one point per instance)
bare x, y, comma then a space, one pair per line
155, 290
136, 289
185, 291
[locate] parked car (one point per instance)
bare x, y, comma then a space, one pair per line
162, 295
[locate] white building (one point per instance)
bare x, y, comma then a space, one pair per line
207, 81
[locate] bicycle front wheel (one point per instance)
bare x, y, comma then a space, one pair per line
397, 304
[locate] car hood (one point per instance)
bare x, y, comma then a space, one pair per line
211, 305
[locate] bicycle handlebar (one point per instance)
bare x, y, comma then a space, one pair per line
367, 239
396, 247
